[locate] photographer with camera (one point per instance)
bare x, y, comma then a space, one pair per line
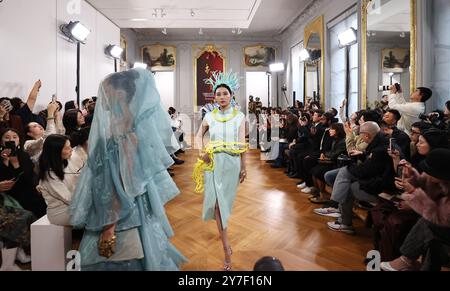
410, 111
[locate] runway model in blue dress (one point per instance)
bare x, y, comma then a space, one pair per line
221, 166
122, 190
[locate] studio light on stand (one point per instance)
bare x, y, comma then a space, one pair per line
115, 52
304, 55
269, 74
76, 33
276, 68
140, 66
346, 40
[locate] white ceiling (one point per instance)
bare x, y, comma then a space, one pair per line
215, 17
392, 15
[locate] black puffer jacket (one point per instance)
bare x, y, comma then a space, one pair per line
376, 174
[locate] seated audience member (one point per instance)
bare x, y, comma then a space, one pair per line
17, 166
37, 134
177, 125
70, 105
299, 145
410, 111
54, 182
7, 119
90, 112
428, 194
79, 142
430, 139
73, 120
268, 264
392, 223
416, 130
316, 131
365, 181
328, 161
400, 140
14, 230
313, 157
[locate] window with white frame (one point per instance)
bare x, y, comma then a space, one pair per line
338, 63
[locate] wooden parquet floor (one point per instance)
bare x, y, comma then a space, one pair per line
270, 218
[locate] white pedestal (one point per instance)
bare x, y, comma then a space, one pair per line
49, 245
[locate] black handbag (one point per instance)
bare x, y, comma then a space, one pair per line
344, 160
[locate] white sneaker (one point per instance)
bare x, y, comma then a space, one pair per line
329, 212
301, 186
337, 226
22, 257
307, 190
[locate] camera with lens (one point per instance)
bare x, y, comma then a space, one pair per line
389, 87
434, 118
284, 88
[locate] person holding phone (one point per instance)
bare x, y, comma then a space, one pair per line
16, 166
37, 134
428, 194
8, 120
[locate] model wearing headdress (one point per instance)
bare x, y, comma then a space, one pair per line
221, 166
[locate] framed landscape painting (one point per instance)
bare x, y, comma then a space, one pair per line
259, 56
159, 57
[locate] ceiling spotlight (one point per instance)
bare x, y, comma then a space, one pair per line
164, 31
155, 13
233, 31
239, 31
75, 31
200, 31
192, 13
114, 51
402, 34
163, 14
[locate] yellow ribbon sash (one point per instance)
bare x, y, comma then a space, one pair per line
235, 148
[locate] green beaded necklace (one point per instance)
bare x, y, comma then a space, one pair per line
224, 119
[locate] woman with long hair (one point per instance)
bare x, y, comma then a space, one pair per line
54, 184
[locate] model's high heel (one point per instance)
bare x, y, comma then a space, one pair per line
227, 265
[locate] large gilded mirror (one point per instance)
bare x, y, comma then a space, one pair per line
314, 64
388, 48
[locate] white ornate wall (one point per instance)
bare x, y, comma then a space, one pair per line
184, 72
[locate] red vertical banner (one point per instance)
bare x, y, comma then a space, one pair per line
208, 61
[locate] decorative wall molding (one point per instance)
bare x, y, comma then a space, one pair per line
306, 16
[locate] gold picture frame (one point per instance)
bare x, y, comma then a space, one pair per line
198, 51
259, 56
413, 33
317, 27
124, 46
159, 57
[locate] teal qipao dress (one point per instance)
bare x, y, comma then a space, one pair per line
125, 181
221, 184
